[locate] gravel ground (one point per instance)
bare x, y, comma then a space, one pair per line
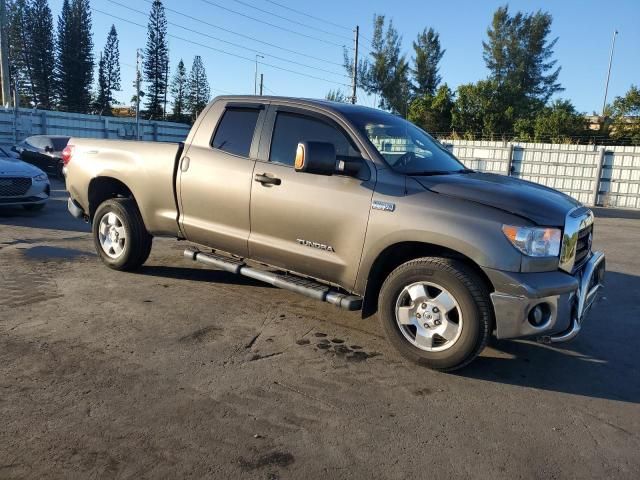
178, 372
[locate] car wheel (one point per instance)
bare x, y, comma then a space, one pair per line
436, 312
34, 207
119, 234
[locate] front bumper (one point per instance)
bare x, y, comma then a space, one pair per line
566, 300
38, 193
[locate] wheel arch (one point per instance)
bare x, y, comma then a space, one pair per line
395, 255
104, 188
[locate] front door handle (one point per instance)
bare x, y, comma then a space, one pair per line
264, 179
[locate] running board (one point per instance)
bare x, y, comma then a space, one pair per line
305, 286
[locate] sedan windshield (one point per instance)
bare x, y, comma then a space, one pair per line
406, 148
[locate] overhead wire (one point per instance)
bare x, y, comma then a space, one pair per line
282, 59
215, 4
299, 12
248, 37
282, 17
252, 60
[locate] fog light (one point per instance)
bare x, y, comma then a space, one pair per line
539, 315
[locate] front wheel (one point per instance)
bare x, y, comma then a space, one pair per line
119, 234
436, 312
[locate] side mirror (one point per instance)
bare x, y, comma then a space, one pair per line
316, 157
48, 149
14, 149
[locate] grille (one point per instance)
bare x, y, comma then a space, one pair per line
583, 247
14, 186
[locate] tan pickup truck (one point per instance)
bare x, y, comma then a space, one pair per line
352, 206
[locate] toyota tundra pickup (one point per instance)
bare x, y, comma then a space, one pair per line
355, 207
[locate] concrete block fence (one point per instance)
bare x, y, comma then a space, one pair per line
595, 175
17, 125
606, 176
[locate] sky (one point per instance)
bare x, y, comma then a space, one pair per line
311, 43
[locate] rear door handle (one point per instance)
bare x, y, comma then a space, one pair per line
184, 166
267, 180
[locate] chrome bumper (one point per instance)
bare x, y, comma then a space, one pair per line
591, 281
566, 298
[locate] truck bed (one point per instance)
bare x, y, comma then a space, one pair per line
148, 169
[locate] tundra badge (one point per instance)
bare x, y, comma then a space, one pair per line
319, 246
384, 206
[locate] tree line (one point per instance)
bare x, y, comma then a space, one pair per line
513, 102
54, 68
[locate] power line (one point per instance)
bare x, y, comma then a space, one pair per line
282, 59
248, 37
208, 47
318, 39
268, 89
307, 15
306, 25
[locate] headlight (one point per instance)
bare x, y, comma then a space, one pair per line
533, 241
42, 177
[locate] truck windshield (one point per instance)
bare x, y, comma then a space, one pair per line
406, 148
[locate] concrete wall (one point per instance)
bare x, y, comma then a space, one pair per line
594, 175
19, 125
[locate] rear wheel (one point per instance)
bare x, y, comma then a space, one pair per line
436, 312
119, 234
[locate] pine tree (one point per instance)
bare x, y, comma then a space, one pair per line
19, 50
428, 54
386, 73
108, 74
42, 52
75, 63
156, 61
199, 92
179, 88
518, 55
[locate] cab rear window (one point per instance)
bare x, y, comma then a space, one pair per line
235, 131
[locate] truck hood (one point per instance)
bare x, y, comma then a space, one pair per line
539, 204
13, 166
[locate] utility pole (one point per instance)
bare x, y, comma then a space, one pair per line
5, 91
261, 82
138, 58
255, 76
606, 88
355, 65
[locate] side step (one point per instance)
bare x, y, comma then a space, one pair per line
305, 286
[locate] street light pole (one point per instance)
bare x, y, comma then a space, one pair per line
606, 88
255, 76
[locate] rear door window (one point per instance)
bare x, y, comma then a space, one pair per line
235, 131
291, 128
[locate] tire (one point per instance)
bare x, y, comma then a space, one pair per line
120, 237
436, 312
34, 207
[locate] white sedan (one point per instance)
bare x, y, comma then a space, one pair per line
22, 184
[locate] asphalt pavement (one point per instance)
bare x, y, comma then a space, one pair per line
177, 371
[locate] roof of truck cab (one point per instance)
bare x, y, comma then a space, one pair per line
343, 108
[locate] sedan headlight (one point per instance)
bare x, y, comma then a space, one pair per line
42, 177
534, 241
